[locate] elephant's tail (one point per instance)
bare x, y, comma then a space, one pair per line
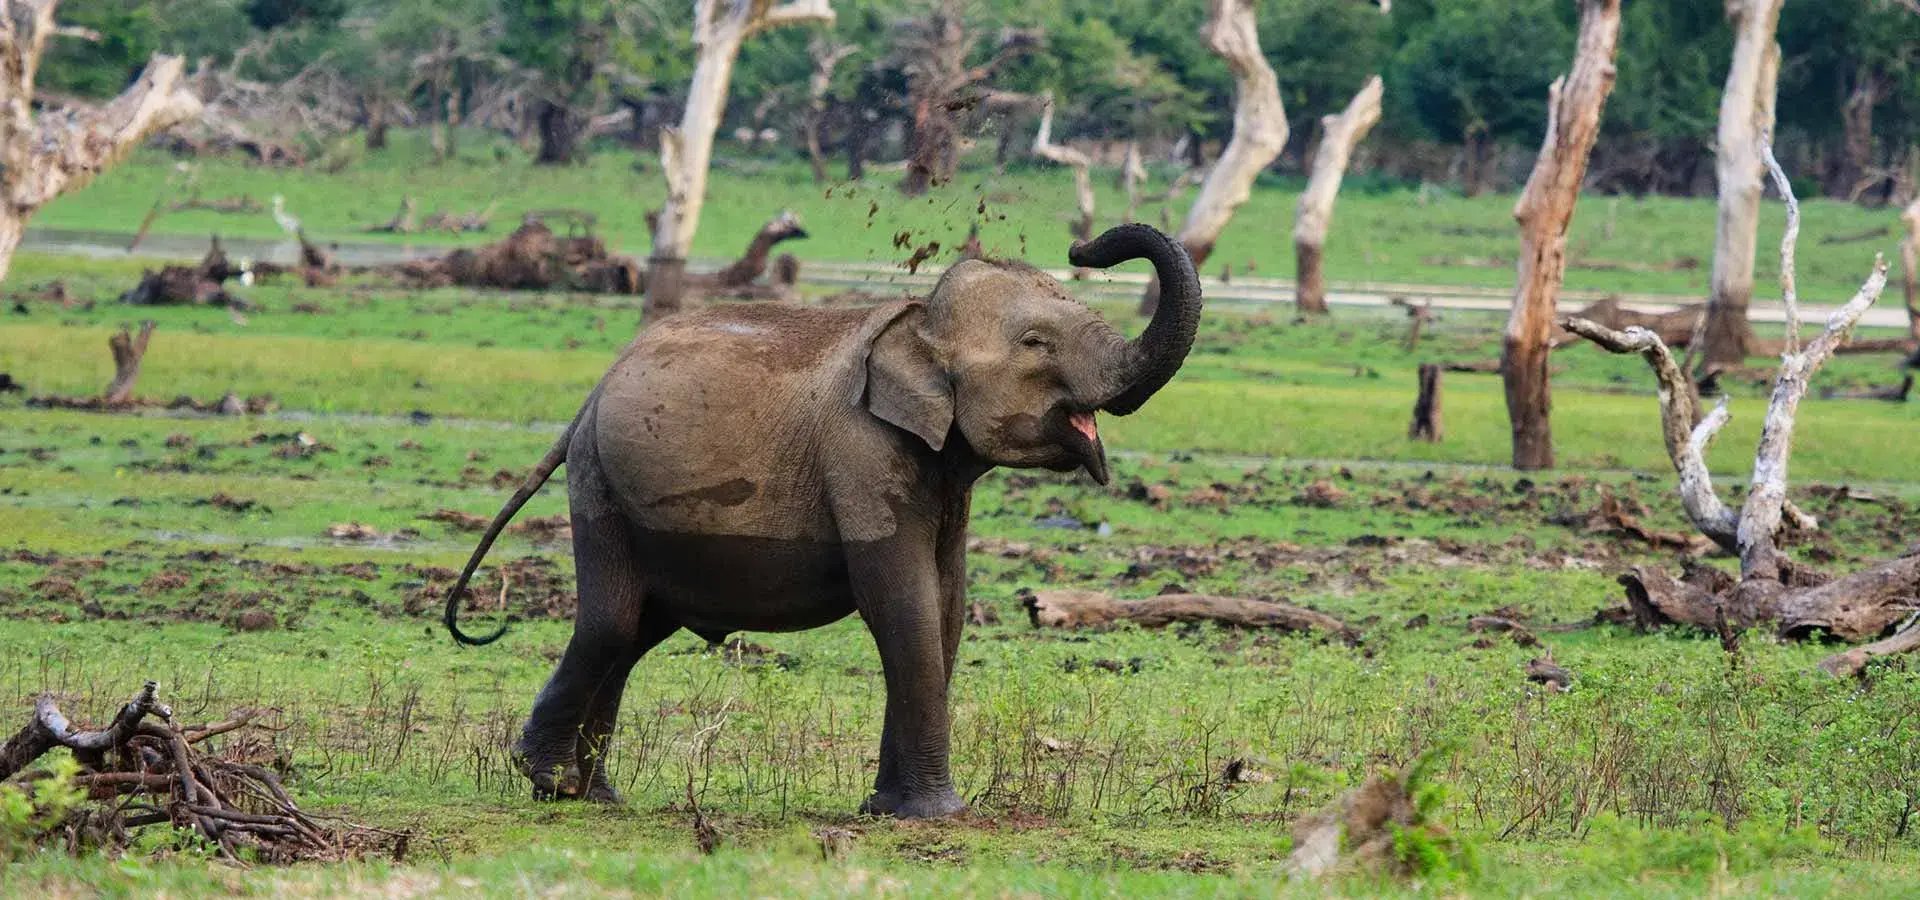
535, 478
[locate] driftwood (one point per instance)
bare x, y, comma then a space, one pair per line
202, 284
1094, 609
1772, 590
1675, 328
1426, 408
532, 258
1895, 394
147, 773
1544, 210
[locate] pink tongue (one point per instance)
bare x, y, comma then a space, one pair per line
1083, 423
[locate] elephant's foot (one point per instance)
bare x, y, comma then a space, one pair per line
599, 791
904, 805
554, 775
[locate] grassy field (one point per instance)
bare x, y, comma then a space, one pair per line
1383, 232
1276, 466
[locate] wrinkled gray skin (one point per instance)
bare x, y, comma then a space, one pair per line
766, 468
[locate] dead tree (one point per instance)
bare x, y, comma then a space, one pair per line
1746, 113
1417, 319
719, 28
1544, 210
1426, 408
127, 353
44, 156
826, 55
1133, 173
753, 263
1259, 133
1910, 274
1338, 136
1772, 589
1045, 148
932, 51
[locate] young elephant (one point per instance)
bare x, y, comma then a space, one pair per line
767, 468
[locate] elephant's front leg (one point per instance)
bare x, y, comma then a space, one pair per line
897, 589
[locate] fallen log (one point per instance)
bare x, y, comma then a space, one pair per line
1675, 328
1072, 608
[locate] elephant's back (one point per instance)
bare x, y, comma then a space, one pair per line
711, 422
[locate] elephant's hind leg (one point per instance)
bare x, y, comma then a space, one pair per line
562, 749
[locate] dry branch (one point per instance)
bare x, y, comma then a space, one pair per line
153, 773
1093, 609
1771, 589
1314, 214
1045, 148
1544, 210
1259, 133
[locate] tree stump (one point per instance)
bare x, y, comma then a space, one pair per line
127, 353
1426, 409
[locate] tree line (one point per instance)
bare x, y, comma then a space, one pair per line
1464, 102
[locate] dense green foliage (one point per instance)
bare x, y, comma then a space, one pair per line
1465, 72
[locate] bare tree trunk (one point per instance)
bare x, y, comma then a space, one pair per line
1856, 123
1133, 173
1259, 133
826, 57
1338, 136
1045, 148
1426, 407
1746, 113
718, 30
560, 130
1910, 272
44, 156
127, 353
376, 121
1544, 210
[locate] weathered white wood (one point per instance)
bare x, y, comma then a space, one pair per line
1133, 173
1259, 132
44, 156
1746, 114
1544, 210
1045, 148
1339, 134
1686, 442
719, 28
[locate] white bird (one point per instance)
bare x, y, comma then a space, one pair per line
288, 223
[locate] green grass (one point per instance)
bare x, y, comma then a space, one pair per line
1382, 232
1093, 760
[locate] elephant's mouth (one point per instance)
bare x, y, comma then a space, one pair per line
1083, 440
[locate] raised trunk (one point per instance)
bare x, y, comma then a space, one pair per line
1259, 133
1544, 210
685, 152
1746, 113
1338, 136
1154, 356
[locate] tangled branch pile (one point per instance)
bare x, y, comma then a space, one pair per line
140, 773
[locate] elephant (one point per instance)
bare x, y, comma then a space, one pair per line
776, 468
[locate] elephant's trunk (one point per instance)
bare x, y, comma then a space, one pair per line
1152, 358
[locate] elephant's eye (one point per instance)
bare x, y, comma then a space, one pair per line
1035, 340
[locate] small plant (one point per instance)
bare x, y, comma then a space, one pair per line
28, 812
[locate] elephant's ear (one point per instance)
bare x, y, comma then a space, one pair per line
906, 385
